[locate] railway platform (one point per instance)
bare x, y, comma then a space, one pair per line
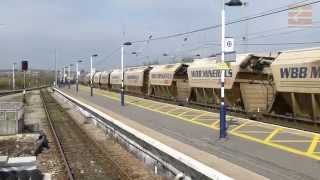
253, 150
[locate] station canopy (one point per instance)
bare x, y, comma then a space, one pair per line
297, 71
163, 74
115, 76
135, 76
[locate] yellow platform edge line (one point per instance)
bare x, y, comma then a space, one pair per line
239, 127
278, 146
202, 114
214, 125
313, 144
274, 132
185, 112
291, 141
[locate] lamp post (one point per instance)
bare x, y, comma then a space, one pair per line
77, 77
13, 78
223, 127
69, 75
122, 72
64, 75
91, 73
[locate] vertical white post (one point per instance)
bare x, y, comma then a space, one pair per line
77, 76
69, 75
64, 75
91, 76
55, 69
122, 77
13, 78
91, 71
222, 105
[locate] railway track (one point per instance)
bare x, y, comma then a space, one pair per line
82, 158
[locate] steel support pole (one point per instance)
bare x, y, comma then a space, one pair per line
91, 76
69, 71
223, 133
24, 79
77, 77
24, 86
13, 78
122, 77
55, 69
64, 76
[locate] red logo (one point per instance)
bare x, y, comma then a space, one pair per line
300, 16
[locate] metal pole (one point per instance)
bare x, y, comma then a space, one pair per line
55, 68
91, 76
122, 83
64, 76
222, 105
77, 76
69, 76
24, 79
13, 79
24, 86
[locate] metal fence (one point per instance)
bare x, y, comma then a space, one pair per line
11, 117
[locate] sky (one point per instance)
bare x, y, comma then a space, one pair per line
71, 30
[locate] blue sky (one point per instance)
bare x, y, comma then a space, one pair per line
33, 29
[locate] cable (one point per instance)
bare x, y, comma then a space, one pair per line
292, 4
108, 56
280, 33
283, 43
229, 23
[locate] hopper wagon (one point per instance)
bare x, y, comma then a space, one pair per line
96, 79
296, 76
169, 82
115, 80
136, 80
105, 80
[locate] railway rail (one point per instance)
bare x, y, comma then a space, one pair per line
82, 158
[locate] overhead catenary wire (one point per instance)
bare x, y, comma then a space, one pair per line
108, 56
268, 13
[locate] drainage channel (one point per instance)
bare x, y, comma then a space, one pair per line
164, 161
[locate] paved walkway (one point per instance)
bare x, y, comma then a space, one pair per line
273, 151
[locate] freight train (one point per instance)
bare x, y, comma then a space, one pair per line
286, 84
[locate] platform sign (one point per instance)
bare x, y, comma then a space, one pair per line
228, 44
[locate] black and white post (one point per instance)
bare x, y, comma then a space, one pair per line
223, 125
